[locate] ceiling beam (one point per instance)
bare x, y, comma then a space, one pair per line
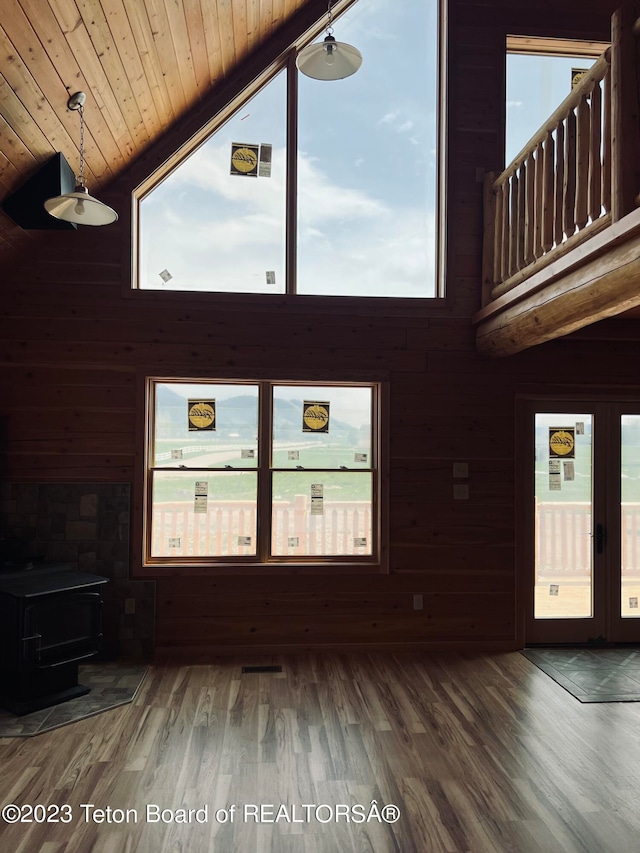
596, 280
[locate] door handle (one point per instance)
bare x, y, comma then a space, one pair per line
601, 538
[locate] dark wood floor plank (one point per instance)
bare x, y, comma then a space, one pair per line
481, 754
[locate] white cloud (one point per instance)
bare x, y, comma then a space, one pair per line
348, 240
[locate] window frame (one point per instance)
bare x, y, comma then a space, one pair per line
544, 46
264, 561
287, 62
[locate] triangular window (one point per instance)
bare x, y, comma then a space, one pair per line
350, 211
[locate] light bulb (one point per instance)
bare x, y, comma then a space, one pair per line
329, 58
79, 208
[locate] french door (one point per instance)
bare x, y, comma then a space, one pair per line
580, 554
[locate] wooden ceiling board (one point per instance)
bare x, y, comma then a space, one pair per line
44, 49
182, 49
17, 152
197, 43
213, 47
227, 42
143, 65
20, 81
130, 29
165, 57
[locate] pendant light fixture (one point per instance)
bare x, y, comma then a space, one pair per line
79, 207
329, 59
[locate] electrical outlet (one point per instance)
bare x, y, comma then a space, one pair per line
129, 606
417, 602
460, 469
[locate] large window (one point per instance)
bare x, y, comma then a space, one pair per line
261, 472
319, 188
540, 74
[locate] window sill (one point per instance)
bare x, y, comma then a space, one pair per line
157, 571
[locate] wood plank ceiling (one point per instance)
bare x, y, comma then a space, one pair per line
142, 64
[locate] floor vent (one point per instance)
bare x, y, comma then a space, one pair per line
262, 669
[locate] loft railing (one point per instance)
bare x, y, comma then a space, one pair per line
556, 192
577, 175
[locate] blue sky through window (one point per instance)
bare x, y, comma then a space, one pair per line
366, 178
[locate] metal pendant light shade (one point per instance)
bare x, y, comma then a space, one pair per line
329, 59
79, 207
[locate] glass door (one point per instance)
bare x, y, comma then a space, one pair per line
580, 541
624, 546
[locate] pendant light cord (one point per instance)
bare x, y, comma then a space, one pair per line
81, 174
329, 29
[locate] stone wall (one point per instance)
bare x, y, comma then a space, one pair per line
86, 525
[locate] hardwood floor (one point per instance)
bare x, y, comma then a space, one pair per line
481, 753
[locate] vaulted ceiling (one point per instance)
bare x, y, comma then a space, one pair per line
142, 63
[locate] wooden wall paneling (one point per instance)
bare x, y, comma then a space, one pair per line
83, 327
426, 566
74, 345
35, 467
168, 356
431, 478
462, 617
13, 237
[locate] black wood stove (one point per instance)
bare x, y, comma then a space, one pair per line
50, 619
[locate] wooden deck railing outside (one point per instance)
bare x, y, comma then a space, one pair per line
564, 545
178, 531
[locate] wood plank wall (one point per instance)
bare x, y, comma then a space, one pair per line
74, 343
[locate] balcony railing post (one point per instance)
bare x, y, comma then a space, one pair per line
595, 168
625, 122
569, 217
548, 199
582, 170
489, 237
559, 185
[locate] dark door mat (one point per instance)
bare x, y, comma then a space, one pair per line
592, 675
112, 684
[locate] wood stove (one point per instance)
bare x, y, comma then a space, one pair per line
50, 619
